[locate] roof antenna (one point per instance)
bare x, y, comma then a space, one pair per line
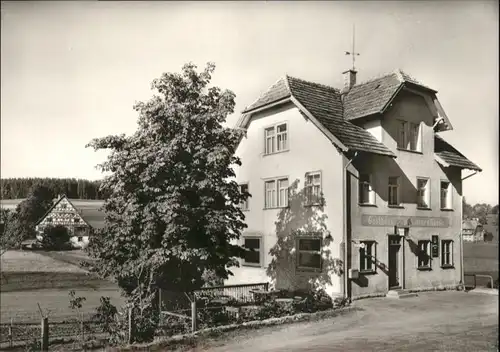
353, 53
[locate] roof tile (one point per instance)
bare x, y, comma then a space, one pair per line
451, 156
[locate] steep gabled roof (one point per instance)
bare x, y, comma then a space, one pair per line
373, 96
447, 155
324, 104
93, 217
276, 92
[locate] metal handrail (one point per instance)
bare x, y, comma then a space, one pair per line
475, 283
480, 275
491, 278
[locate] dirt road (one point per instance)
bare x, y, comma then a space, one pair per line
435, 321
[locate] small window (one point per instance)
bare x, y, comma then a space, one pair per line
270, 200
313, 188
49, 220
409, 136
447, 253
76, 220
394, 191
80, 238
282, 137
244, 189
276, 193
366, 193
423, 194
367, 257
309, 253
424, 254
446, 193
282, 193
270, 140
253, 254
415, 144
402, 135
276, 138
64, 206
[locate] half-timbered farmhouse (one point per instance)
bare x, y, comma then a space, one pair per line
79, 220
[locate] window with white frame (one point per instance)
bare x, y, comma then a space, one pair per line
446, 195
367, 257
276, 193
415, 143
253, 250
366, 193
393, 194
446, 253
309, 253
423, 193
270, 140
276, 138
313, 188
281, 137
409, 136
402, 134
424, 254
244, 203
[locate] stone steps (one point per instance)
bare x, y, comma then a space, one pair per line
399, 294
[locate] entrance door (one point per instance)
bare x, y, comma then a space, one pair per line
394, 262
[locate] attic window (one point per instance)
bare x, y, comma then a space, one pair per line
76, 220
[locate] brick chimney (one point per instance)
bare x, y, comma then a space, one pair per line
349, 80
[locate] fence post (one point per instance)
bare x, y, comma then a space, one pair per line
45, 334
130, 326
193, 314
10, 334
83, 333
159, 306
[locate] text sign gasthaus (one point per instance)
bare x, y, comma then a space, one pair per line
411, 221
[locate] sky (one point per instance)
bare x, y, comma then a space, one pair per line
72, 71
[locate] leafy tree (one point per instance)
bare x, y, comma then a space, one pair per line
467, 210
480, 211
172, 211
494, 210
55, 237
9, 238
30, 210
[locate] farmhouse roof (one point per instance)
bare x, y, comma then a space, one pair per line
93, 216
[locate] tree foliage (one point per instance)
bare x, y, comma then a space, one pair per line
478, 211
172, 211
30, 210
9, 238
55, 237
16, 188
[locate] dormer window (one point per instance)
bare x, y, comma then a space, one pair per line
409, 136
276, 138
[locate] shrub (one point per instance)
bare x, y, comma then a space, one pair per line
56, 237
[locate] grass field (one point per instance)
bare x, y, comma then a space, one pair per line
46, 278
29, 261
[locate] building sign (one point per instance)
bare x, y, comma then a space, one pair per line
435, 246
410, 221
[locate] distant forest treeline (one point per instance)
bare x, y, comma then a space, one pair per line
14, 188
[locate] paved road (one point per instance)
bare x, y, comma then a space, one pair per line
434, 321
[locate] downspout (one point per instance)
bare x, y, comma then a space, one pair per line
462, 273
346, 244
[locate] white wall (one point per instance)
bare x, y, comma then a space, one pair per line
309, 150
